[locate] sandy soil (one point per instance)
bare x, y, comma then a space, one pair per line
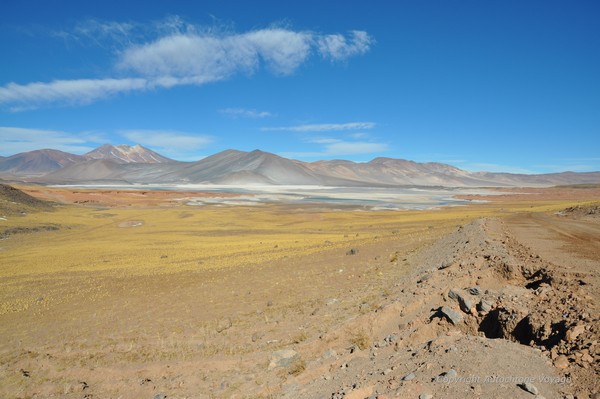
368, 314
583, 193
112, 198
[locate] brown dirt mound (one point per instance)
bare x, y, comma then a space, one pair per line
14, 201
590, 211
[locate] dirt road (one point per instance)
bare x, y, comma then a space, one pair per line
572, 244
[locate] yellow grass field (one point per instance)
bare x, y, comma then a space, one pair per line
127, 293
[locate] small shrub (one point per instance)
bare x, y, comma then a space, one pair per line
361, 339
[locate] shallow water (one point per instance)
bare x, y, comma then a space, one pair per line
372, 198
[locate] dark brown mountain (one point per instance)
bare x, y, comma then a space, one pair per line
37, 162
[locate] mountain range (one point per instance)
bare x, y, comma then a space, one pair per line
125, 164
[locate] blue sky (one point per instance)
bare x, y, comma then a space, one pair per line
483, 85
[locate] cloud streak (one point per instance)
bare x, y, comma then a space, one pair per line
183, 54
174, 144
14, 140
338, 47
354, 147
236, 113
331, 147
70, 92
324, 127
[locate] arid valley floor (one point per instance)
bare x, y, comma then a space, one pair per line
129, 294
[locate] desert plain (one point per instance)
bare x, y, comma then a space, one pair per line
137, 294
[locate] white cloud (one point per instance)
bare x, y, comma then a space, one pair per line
325, 127
211, 57
14, 140
338, 47
323, 140
496, 168
98, 31
245, 113
335, 147
354, 147
181, 54
181, 146
80, 91
558, 168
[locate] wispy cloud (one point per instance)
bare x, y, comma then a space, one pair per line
324, 127
338, 47
533, 169
14, 140
331, 147
354, 147
496, 168
100, 33
570, 167
182, 146
245, 113
117, 35
179, 53
71, 92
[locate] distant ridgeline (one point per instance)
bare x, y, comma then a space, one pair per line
125, 164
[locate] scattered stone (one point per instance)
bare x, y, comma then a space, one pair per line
464, 302
574, 332
390, 339
224, 324
449, 374
381, 344
587, 358
445, 265
409, 377
453, 316
332, 301
329, 354
283, 358
475, 290
160, 396
25, 373
561, 362
257, 336
425, 396
484, 306
529, 387
352, 251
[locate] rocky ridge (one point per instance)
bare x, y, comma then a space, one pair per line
483, 316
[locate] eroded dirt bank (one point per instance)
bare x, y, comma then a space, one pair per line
494, 305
